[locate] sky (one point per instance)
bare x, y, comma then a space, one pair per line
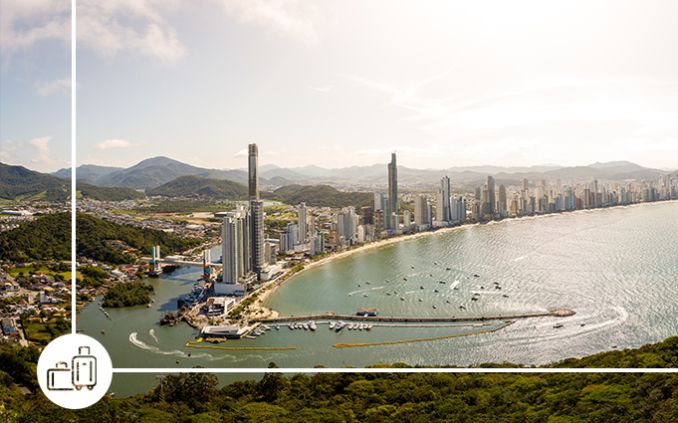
346, 82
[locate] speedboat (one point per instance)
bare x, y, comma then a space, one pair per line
331, 325
339, 326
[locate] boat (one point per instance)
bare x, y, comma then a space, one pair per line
558, 326
475, 275
434, 307
331, 325
505, 296
339, 326
402, 299
420, 300
448, 268
404, 279
435, 290
421, 286
368, 326
312, 325
277, 327
305, 326
289, 325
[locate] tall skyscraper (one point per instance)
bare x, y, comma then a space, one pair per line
502, 203
443, 210
256, 210
231, 250
491, 209
253, 174
392, 192
301, 217
422, 218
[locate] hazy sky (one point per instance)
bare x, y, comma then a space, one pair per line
339, 83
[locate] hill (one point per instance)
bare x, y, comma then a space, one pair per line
19, 182
48, 238
321, 196
195, 186
156, 171
108, 193
363, 397
86, 173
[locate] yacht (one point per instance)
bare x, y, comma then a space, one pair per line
312, 325
339, 326
331, 325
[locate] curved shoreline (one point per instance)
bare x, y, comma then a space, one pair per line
260, 311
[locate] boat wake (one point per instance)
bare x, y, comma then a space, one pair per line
151, 332
134, 340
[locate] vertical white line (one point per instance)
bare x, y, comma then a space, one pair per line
73, 165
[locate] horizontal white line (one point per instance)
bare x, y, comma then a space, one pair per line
395, 370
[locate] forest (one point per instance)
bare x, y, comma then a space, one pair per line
370, 397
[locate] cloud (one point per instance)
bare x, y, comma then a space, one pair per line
241, 153
115, 26
24, 23
293, 18
46, 88
113, 144
41, 144
323, 89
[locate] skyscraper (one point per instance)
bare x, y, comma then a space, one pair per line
253, 174
491, 209
503, 207
301, 217
256, 210
392, 192
443, 210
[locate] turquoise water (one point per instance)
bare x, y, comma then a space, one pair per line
617, 268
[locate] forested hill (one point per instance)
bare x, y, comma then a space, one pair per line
365, 397
48, 238
190, 186
320, 196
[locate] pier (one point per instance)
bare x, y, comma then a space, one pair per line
559, 312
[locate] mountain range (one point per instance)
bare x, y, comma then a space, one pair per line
154, 172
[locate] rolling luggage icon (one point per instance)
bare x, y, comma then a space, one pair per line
83, 373
59, 378
84, 369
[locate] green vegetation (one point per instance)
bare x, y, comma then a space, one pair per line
365, 397
184, 206
19, 182
320, 196
128, 294
111, 242
108, 193
41, 332
48, 238
45, 238
196, 186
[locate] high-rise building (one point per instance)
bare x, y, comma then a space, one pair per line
301, 217
392, 208
257, 212
422, 217
502, 203
253, 171
444, 215
491, 209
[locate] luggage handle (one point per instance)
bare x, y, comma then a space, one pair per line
85, 349
65, 365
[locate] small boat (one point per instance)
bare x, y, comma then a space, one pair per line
305, 326
421, 286
368, 282
402, 299
474, 298
420, 300
404, 279
582, 325
388, 293
331, 325
448, 268
475, 275
461, 307
103, 332
435, 290
365, 296
558, 326
412, 267
339, 326
312, 325
434, 307
277, 327
505, 296
447, 301
368, 326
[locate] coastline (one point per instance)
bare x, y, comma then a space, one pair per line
259, 311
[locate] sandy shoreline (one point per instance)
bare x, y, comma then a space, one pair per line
259, 311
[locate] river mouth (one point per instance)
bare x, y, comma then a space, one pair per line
616, 268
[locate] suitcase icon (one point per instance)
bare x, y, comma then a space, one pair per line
59, 377
84, 369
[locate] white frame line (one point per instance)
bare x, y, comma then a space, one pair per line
73, 162
255, 370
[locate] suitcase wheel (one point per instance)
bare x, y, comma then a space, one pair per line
90, 387
78, 387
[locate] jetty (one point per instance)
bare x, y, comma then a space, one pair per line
559, 312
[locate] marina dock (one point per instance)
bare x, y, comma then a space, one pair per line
559, 312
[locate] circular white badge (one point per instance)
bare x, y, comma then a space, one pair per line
74, 371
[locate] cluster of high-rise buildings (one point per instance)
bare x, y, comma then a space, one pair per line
247, 256
242, 238
544, 197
